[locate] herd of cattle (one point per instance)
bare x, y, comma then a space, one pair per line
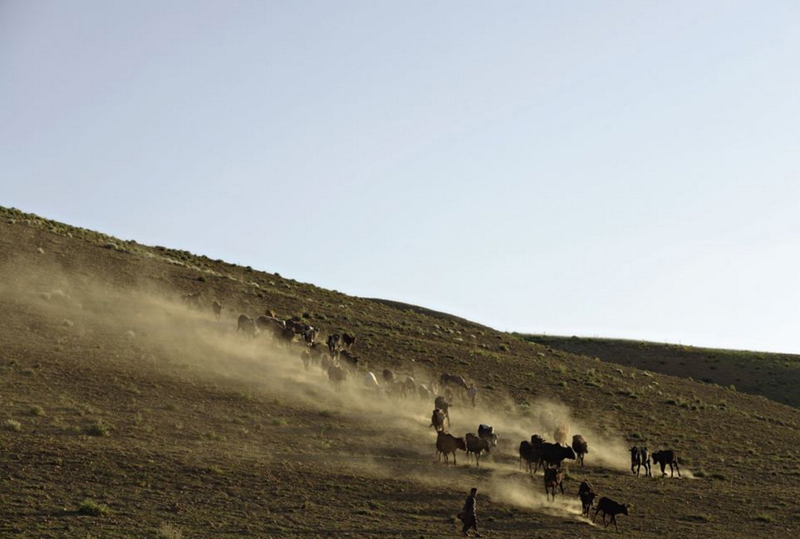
336, 359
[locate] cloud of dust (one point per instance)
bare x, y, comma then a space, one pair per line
163, 332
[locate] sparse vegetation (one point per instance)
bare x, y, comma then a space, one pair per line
92, 508
12, 425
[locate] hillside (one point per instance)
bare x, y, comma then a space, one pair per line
128, 414
775, 376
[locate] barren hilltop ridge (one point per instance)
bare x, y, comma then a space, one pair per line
130, 410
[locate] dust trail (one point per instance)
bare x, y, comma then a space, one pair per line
159, 332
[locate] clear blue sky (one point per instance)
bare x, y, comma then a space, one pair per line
616, 169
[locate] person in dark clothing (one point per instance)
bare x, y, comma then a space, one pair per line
470, 514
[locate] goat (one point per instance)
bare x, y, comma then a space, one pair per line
476, 445
610, 507
553, 477
665, 457
246, 325
587, 496
640, 457
446, 444
580, 447
216, 308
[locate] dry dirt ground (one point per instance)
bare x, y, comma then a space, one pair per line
127, 414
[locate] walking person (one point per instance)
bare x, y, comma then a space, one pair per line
470, 514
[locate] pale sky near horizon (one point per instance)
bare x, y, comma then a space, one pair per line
611, 169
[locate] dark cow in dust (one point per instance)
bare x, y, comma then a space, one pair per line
486, 432
348, 361
587, 496
580, 446
553, 477
446, 444
444, 405
437, 420
336, 375
555, 454
610, 507
453, 380
333, 344
348, 341
246, 325
476, 445
667, 456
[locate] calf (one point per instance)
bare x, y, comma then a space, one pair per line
665, 457
610, 507
587, 496
640, 457
553, 477
216, 306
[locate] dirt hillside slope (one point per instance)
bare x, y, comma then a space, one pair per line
127, 413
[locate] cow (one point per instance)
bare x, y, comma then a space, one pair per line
442, 404
246, 325
580, 447
530, 455
640, 457
336, 375
476, 445
587, 496
437, 420
554, 454
665, 457
610, 507
553, 477
486, 432
348, 341
446, 444
388, 376
333, 344
349, 361
453, 380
